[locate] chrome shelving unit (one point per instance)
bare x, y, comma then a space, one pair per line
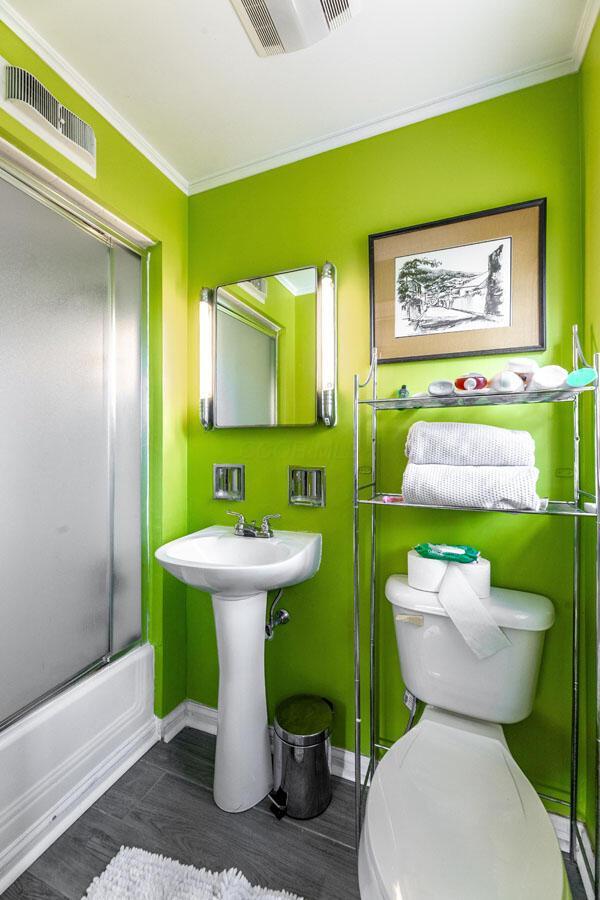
370, 496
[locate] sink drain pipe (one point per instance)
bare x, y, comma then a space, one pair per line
275, 618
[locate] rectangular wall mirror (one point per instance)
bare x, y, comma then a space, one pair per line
265, 351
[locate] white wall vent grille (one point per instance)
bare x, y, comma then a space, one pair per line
21, 85
27, 100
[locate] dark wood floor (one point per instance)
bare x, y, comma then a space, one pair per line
164, 805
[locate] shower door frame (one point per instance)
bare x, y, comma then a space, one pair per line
43, 193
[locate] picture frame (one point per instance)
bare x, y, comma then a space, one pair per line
470, 285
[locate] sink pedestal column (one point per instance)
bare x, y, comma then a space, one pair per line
243, 765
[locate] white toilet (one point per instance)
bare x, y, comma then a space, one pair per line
450, 816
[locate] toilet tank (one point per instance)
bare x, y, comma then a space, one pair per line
439, 668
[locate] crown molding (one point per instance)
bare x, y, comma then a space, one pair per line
437, 107
59, 64
584, 32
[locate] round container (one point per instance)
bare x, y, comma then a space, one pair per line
441, 388
548, 378
304, 720
507, 382
523, 366
473, 381
581, 377
302, 756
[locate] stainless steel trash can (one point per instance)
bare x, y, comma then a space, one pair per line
302, 757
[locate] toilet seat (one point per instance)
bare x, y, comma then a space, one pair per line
450, 816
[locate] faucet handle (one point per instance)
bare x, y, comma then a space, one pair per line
241, 521
265, 528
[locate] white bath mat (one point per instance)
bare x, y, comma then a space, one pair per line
138, 875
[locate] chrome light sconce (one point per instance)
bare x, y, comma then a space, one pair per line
327, 346
206, 344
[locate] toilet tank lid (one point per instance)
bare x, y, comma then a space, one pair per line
510, 609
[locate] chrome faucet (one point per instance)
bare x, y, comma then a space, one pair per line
251, 529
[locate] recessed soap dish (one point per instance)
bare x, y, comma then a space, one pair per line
229, 482
306, 486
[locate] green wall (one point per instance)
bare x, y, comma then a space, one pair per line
131, 187
590, 108
514, 148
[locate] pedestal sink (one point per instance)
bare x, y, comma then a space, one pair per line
238, 572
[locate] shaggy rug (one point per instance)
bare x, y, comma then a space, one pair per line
138, 875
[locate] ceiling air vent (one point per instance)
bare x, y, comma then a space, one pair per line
337, 12
27, 100
283, 26
259, 18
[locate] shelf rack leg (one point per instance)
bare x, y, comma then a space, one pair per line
358, 787
574, 700
373, 670
575, 621
597, 610
356, 550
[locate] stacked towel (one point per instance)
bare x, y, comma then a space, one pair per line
456, 464
459, 444
487, 487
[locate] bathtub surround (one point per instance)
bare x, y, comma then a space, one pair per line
76, 746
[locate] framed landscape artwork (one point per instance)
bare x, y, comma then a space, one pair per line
466, 286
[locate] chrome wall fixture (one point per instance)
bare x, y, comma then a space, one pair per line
207, 312
306, 486
327, 343
229, 482
326, 375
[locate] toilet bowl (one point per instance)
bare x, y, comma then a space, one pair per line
450, 815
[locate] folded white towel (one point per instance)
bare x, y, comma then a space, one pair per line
461, 444
484, 487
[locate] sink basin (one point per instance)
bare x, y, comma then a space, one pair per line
238, 572
218, 561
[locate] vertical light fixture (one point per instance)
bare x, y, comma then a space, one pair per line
206, 357
327, 364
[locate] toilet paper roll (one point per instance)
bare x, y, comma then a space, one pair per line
427, 574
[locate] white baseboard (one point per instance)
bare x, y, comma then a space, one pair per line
188, 714
579, 859
57, 761
191, 714
562, 830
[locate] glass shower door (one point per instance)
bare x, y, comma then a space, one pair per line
57, 459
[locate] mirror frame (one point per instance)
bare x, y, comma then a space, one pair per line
327, 349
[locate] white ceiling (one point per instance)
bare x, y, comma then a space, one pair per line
181, 80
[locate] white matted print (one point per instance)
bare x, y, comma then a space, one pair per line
456, 289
